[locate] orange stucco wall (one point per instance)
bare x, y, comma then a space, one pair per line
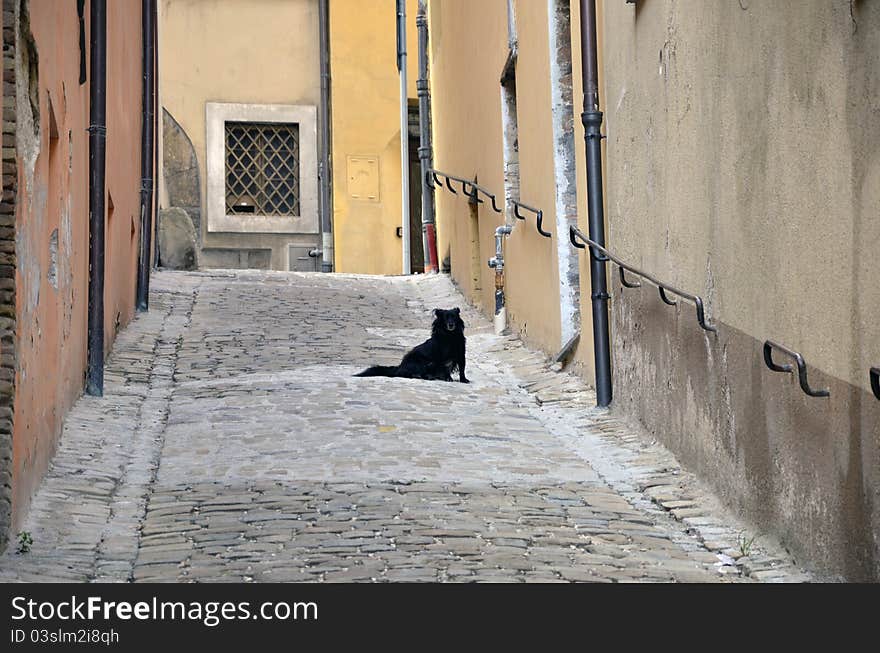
52, 222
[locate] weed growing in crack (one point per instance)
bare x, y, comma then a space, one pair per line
746, 542
25, 541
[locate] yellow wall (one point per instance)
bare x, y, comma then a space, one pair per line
468, 58
532, 273
365, 95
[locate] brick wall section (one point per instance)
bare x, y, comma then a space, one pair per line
7, 271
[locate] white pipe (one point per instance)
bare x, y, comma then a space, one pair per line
404, 137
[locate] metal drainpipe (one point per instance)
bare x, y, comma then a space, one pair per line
148, 104
97, 159
325, 174
404, 135
154, 17
429, 233
592, 120
497, 262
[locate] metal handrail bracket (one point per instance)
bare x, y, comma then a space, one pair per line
472, 190
604, 255
769, 346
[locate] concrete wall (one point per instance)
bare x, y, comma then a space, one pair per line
542, 276
52, 217
255, 52
744, 166
365, 93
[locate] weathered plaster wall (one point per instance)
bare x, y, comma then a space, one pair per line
744, 166
52, 217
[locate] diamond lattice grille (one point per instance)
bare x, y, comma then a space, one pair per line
262, 168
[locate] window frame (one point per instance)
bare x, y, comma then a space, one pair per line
217, 114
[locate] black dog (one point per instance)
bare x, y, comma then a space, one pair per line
437, 357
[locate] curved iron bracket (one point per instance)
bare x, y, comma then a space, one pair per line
516, 212
540, 219
769, 346
623, 280
665, 298
474, 196
449, 186
437, 181
598, 255
701, 316
495, 207
574, 242
875, 381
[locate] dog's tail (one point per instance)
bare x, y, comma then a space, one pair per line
379, 370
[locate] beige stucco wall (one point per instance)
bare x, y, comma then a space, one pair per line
365, 94
764, 146
744, 166
254, 52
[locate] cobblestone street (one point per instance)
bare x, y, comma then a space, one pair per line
233, 444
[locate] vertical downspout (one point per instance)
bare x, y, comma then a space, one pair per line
404, 135
429, 233
592, 120
151, 254
325, 175
147, 117
97, 158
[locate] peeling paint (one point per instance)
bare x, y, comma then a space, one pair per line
53, 259
565, 173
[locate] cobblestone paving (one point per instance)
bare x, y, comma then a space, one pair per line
234, 444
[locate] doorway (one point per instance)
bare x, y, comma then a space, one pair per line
416, 244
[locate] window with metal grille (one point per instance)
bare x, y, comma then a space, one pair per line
262, 168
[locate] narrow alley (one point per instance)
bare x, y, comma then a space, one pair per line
234, 444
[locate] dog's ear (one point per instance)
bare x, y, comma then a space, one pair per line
436, 312
457, 310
